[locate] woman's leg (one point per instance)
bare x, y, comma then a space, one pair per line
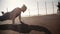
2, 18
13, 21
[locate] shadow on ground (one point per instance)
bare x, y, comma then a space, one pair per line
24, 28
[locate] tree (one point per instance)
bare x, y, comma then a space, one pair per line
58, 10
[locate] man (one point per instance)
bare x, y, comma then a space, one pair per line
13, 14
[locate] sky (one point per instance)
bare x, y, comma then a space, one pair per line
51, 5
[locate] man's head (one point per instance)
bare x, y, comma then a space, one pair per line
23, 8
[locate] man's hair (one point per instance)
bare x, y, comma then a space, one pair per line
23, 8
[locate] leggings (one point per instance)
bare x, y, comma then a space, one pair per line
2, 18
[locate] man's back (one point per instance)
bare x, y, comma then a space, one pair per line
16, 12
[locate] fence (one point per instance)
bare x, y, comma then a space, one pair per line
44, 9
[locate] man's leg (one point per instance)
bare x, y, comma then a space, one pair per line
20, 18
